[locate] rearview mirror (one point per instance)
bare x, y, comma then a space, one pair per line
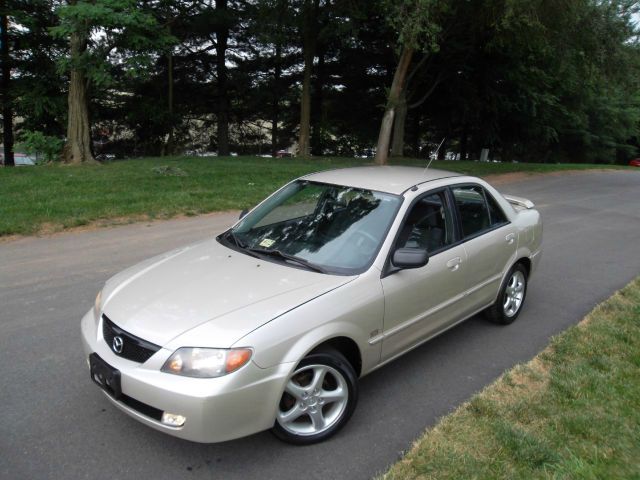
410, 258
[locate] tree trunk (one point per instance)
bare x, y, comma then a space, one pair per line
78, 147
382, 149
305, 107
7, 108
169, 146
442, 152
317, 102
415, 137
275, 112
397, 147
222, 37
309, 39
463, 142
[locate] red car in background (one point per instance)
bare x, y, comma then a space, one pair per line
283, 154
635, 162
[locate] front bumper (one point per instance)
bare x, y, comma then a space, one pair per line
216, 409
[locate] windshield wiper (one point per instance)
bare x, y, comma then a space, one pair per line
286, 256
239, 243
255, 252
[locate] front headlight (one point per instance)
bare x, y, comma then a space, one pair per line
206, 362
97, 307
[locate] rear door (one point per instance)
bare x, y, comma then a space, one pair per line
490, 241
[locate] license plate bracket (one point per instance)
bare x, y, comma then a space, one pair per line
105, 376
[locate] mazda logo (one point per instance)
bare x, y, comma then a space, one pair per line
118, 344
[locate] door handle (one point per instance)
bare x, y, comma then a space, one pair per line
510, 238
454, 264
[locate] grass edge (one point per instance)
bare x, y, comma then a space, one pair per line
538, 367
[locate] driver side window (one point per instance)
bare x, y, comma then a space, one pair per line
428, 225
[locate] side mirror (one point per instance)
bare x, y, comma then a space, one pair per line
243, 213
410, 258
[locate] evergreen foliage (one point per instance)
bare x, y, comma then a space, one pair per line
532, 80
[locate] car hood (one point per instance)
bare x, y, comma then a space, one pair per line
225, 293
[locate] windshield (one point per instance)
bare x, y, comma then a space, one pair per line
332, 228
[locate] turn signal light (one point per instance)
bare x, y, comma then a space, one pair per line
237, 358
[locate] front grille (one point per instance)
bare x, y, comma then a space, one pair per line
133, 348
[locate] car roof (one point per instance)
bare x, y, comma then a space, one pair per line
388, 179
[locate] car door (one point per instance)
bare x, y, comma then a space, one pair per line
421, 302
490, 241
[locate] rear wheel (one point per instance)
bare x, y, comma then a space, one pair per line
511, 297
318, 399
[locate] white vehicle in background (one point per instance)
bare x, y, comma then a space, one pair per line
21, 159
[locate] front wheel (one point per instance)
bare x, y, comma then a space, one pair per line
511, 297
318, 399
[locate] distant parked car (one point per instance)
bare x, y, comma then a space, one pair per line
283, 154
635, 162
366, 153
270, 324
105, 157
21, 159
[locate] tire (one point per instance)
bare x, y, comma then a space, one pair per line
319, 398
511, 297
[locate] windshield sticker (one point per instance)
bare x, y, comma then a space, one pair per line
267, 242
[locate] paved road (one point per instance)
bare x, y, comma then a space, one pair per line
55, 424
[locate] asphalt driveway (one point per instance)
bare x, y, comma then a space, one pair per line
56, 424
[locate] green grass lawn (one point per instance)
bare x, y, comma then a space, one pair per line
55, 197
572, 412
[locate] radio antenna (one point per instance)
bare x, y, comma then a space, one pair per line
435, 155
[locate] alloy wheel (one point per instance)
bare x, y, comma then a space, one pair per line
314, 399
514, 293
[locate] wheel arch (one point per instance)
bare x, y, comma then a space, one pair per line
347, 347
525, 262
522, 258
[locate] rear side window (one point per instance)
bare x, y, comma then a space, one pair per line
495, 212
474, 214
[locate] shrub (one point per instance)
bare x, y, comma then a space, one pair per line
38, 143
